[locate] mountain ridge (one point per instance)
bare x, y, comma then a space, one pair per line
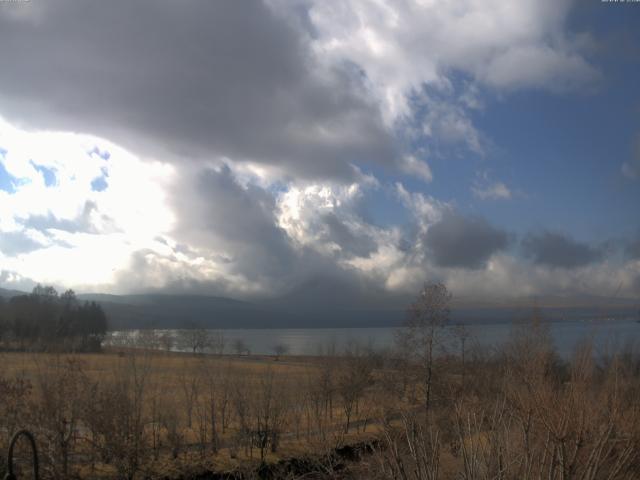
166, 310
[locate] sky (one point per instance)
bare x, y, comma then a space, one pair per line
246, 149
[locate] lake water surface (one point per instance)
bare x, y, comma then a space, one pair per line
607, 335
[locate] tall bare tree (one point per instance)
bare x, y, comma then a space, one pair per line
423, 327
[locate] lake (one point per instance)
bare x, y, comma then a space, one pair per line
607, 335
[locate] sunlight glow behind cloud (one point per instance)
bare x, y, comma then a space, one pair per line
84, 235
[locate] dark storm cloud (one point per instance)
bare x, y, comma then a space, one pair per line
558, 250
464, 242
189, 78
214, 212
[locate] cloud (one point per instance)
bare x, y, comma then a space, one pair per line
65, 232
446, 123
212, 227
350, 242
463, 242
540, 66
507, 276
249, 126
189, 81
553, 249
425, 208
305, 89
217, 229
417, 168
402, 46
71, 203
22, 241
633, 249
429, 63
486, 189
495, 191
217, 216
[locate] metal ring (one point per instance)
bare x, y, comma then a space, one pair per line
10, 475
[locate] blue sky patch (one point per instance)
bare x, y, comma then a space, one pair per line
7, 181
104, 154
49, 174
100, 184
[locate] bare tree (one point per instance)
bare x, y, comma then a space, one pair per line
195, 338
419, 337
354, 376
217, 342
148, 339
114, 414
269, 411
190, 387
242, 409
170, 420
166, 341
224, 396
410, 452
461, 334
57, 410
280, 349
214, 398
14, 405
240, 346
154, 406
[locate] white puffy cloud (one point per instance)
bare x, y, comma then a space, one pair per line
426, 209
496, 191
427, 62
304, 208
417, 168
402, 45
485, 188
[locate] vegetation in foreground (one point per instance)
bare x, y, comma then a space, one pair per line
426, 411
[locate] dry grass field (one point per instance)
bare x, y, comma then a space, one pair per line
126, 411
518, 412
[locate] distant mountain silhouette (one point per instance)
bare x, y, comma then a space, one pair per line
175, 311
4, 293
328, 303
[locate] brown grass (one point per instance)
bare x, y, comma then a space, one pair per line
260, 393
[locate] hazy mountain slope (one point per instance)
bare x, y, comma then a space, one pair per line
4, 293
310, 306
